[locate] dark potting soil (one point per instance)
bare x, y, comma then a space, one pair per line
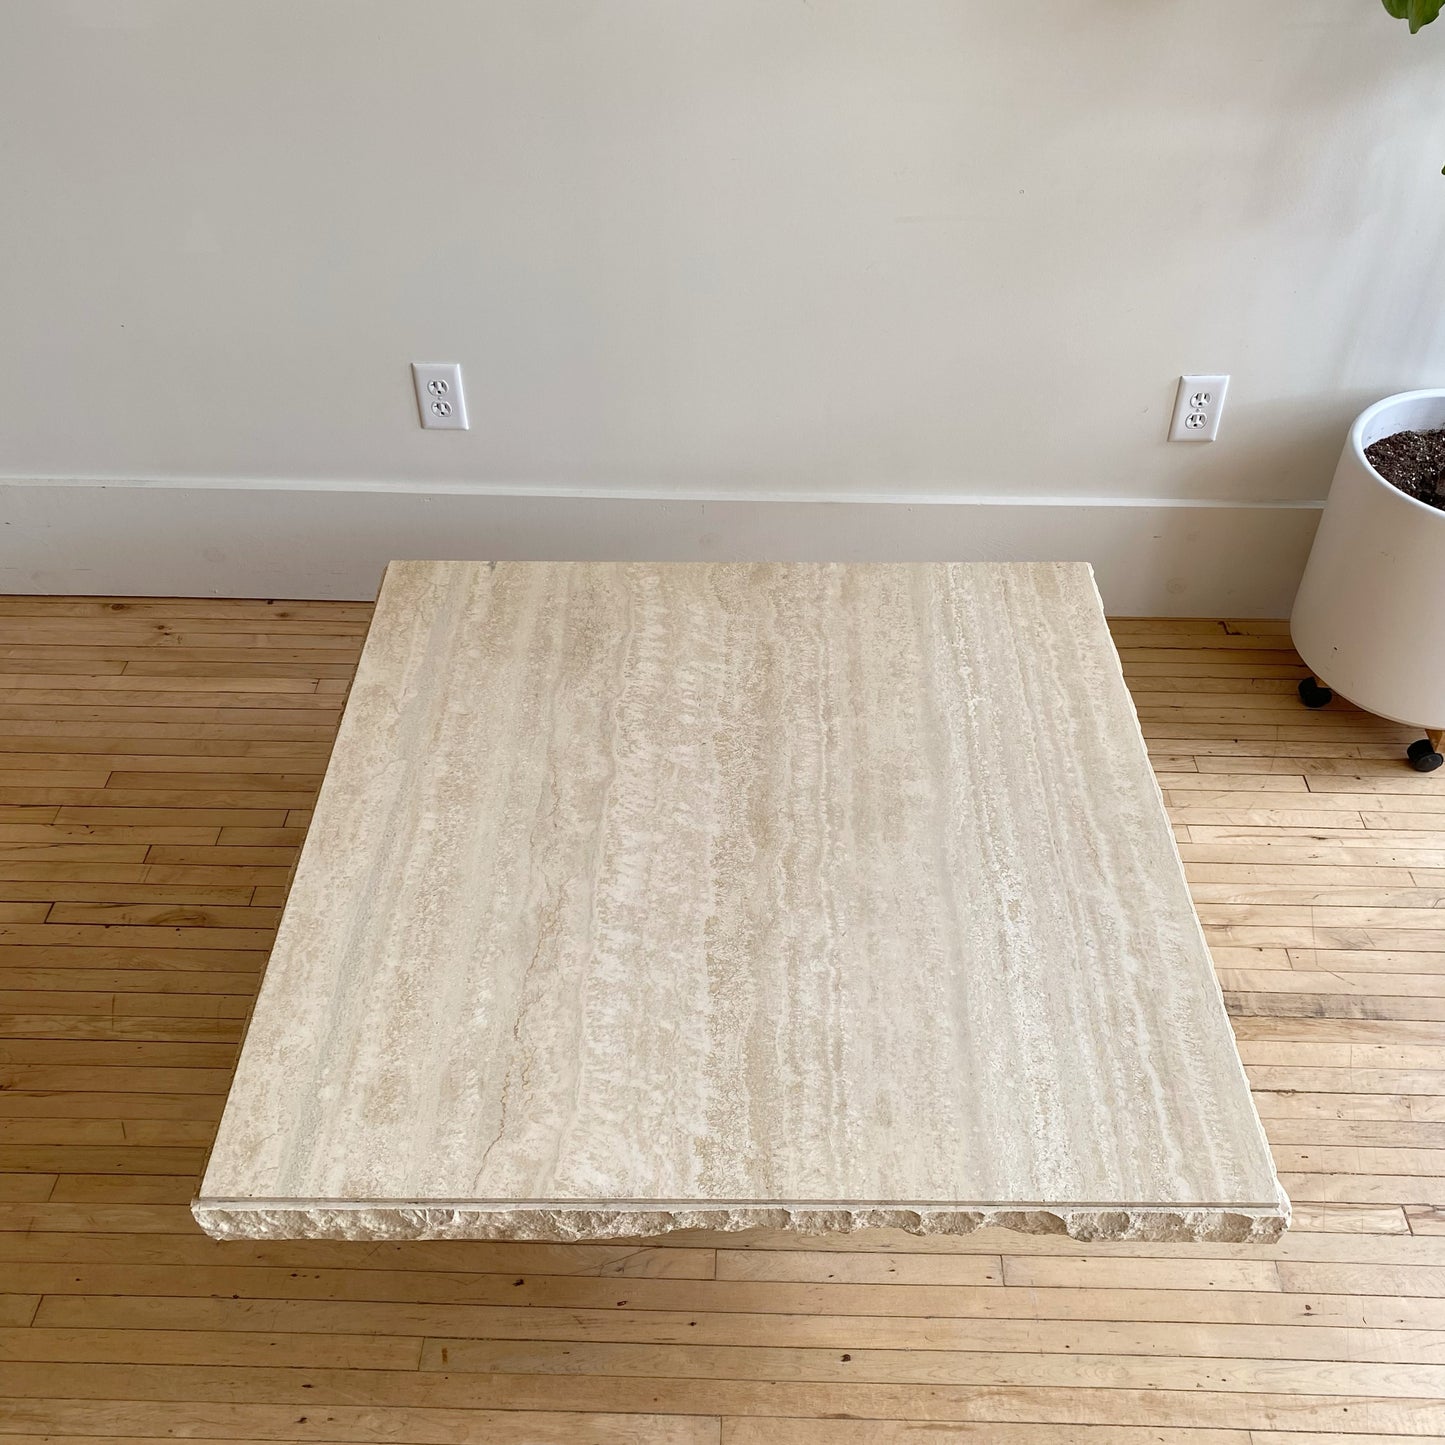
1414, 461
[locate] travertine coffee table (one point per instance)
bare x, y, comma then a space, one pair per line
644, 897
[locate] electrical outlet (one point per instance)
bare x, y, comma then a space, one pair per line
1197, 408
439, 395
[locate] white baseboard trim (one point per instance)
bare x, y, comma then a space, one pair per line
1152, 556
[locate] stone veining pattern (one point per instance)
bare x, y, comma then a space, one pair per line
655, 896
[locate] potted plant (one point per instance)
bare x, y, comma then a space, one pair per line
1374, 588
1369, 609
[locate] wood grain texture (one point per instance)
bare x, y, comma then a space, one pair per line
642, 897
106, 1284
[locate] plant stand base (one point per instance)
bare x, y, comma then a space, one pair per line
1425, 755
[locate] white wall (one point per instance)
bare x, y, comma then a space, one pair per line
733, 249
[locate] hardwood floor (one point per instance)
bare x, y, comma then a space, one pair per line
157, 760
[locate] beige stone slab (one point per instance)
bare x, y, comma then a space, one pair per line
642, 897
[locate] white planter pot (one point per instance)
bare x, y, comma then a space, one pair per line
1369, 619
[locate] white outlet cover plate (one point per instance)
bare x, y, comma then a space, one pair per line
439, 396
1197, 408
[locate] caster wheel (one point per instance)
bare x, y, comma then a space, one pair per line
1423, 757
1314, 694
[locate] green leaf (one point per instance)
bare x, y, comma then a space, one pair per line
1418, 12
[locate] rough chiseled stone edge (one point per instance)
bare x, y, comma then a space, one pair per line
566, 1225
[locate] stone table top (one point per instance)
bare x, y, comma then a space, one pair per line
648, 896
